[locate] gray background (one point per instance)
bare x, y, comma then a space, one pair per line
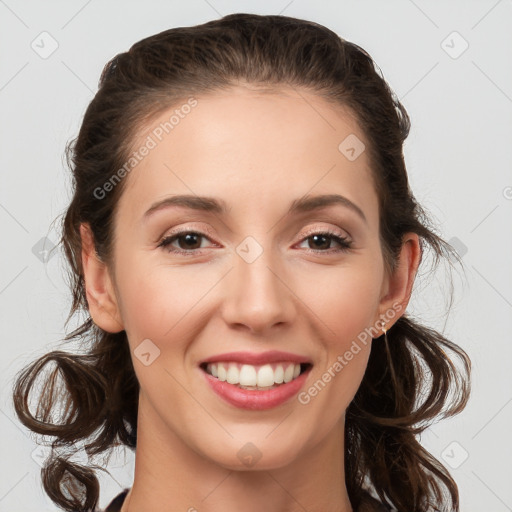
459, 155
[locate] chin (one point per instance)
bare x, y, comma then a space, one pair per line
254, 454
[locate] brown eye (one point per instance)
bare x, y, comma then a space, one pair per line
188, 242
321, 241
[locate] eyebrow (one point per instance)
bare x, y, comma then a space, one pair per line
218, 206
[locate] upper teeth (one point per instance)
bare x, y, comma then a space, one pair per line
250, 375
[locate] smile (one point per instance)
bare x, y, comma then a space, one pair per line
255, 377
255, 387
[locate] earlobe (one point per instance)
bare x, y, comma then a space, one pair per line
101, 298
394, 303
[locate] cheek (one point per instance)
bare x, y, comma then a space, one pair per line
163, 305
344, 300
155, 300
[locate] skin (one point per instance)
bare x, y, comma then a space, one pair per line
258, 152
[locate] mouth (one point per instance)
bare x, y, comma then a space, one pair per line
251, 377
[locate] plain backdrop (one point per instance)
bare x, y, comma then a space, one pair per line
450, 64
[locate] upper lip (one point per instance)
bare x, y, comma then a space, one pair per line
257, 358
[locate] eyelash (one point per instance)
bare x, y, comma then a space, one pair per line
344, 242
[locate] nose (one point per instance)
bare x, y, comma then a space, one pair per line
258, 295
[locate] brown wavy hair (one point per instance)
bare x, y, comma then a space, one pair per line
411, 380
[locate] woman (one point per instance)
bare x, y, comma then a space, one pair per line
244, 241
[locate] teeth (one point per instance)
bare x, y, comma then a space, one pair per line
288, 374
264, 376
220, 369
233, 375
279, 375
247, 376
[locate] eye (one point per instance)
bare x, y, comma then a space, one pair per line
187, 240
324, 238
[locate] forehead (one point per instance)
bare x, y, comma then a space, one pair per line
241, 143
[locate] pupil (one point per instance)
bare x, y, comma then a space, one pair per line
189, 239
316, 237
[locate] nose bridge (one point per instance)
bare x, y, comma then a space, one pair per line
257, 295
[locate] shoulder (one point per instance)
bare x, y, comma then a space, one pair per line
116, 504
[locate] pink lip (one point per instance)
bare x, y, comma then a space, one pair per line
271, 356
254, 399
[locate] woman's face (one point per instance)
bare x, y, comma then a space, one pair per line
251, 277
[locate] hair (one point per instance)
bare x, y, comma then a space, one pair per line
410, 380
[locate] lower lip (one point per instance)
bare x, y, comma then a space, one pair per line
254, 399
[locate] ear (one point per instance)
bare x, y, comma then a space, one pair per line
101, 298
397, 287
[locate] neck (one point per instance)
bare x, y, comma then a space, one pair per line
170, 476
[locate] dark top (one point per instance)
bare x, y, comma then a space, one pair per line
370, 504
116, 504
